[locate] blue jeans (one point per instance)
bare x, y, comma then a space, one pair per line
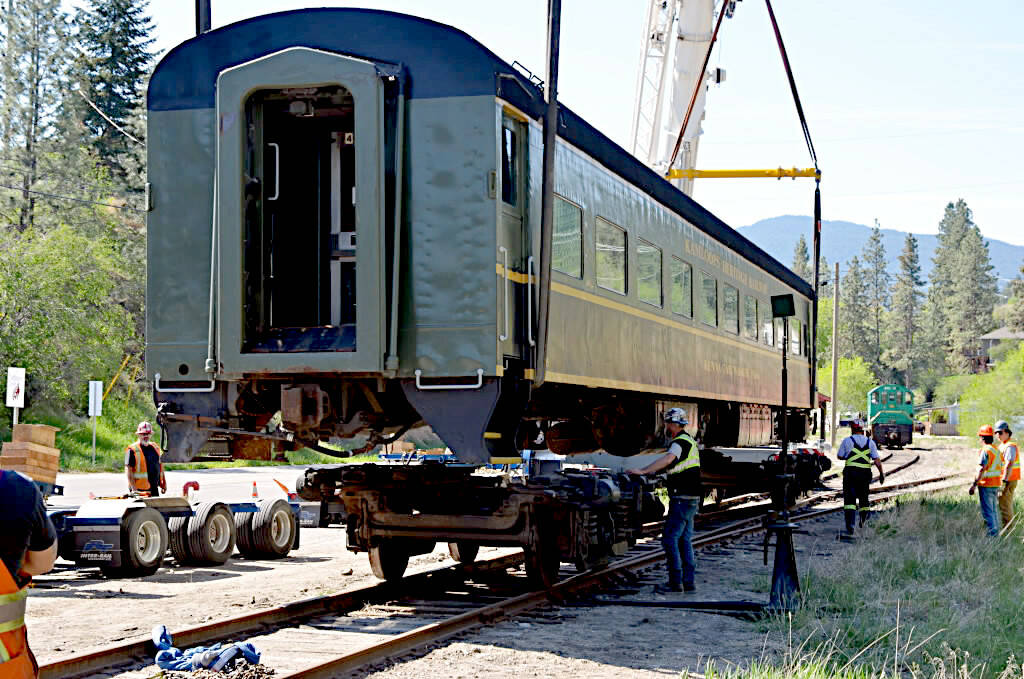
679, 532
988, 496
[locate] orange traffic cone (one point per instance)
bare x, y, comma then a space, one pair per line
255, 493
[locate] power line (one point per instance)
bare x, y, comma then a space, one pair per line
71, 198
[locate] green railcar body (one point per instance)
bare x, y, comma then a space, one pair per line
891, 415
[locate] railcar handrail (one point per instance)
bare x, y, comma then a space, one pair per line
277, 171
529, 301
504, 272
183, 390
449, 387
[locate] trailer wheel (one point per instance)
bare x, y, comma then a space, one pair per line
389, 559
211, 534
143, 542
463, 552
274, 528
177, 529
244, 538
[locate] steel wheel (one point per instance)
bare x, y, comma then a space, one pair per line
463, 552
388, 560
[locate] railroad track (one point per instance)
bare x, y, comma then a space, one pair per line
421, 609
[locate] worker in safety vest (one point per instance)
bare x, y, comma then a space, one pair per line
28, 546
142, 464
1011, 465
682, 461
989, 480
860, 452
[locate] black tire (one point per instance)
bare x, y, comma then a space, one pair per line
66, 547
245, 541
143, 542
211, 534
389, 559
274, 528
177, 529
463, 552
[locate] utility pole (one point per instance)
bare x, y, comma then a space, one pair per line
835, 356
548, 189
203, 21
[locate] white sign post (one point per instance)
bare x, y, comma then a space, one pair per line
95, 409
16, 390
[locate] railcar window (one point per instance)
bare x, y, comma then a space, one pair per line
795, 336
779, 336
750, 317
682, 288
611, 257
767, 336
731, 308
708, 299
567, 239
648, 279
874, 398
509, 166
908, 398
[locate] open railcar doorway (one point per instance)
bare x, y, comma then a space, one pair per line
300, 221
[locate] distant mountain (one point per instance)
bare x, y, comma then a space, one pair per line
840, 241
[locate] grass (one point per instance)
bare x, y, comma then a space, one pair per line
115, 429
926, 594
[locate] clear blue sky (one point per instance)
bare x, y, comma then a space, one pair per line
911, 104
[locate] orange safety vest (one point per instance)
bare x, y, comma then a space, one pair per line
141, 474
1015, 465
992, 474
16, 662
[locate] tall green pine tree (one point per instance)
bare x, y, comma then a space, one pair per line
876, 279
114, 36
972, 299
802, 260
854, 314
904, 320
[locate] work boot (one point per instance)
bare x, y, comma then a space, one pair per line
668, 587
690, 587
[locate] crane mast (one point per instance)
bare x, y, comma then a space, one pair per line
675, 42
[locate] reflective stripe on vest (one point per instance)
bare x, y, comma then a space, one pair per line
12, 617
860, 457
1014, 474
992, 474
691, 460
141, 474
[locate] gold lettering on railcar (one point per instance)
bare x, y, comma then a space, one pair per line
728, 370
715, 260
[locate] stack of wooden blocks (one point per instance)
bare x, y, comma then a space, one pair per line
32, 452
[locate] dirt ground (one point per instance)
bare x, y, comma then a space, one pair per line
87, 611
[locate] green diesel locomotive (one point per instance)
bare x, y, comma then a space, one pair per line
891, 415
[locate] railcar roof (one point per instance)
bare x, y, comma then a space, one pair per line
440, 61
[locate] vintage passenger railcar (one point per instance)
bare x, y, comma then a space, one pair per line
344, 220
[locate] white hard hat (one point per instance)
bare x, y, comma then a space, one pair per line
144, 428
677, 415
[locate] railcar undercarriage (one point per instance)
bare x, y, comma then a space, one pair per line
394, 512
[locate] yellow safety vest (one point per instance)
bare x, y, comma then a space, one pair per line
141, 474
691, 460
860, 457
992, 473
1015, 465
15, 660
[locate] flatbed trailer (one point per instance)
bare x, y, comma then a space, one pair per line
130, 536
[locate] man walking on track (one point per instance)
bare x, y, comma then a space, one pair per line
28, 546
860, 453
684, 489
989, 479
1011, 463
142, 464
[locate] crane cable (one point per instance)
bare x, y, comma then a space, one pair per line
696, 90
792, 85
